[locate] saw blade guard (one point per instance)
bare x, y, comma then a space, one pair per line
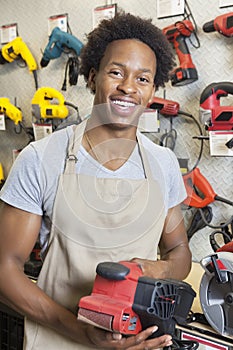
216, 292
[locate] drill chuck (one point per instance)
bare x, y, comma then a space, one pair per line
209, 27
44, 62
2, 59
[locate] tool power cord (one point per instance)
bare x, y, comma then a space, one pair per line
72, 67
179, 344
169, 138
202, 140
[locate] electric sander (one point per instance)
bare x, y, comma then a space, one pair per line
125, 301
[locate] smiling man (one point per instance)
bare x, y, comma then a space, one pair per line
93, 192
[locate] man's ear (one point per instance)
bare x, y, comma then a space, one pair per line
91, 80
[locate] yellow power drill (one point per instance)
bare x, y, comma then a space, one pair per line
16, 49
10, 111
42, 108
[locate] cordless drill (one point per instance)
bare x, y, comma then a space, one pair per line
58, 42
177, 34
222, 24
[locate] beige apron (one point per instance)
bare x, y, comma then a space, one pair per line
94, 220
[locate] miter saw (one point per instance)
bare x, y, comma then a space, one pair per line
216, 292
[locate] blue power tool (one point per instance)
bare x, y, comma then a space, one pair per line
58, 42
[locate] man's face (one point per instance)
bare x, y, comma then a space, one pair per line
124, 83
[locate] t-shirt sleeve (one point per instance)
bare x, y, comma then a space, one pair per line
22, 188
177, 192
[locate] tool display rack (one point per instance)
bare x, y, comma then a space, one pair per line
11, 329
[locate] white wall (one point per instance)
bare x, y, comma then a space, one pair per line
213, 60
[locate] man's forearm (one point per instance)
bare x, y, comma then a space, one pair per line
26, 298
178, 262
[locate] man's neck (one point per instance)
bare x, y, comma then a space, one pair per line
109, 146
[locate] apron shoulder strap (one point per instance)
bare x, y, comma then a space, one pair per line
73, 147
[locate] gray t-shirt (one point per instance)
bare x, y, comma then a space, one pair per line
33, 179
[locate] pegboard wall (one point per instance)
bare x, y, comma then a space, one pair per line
213, 60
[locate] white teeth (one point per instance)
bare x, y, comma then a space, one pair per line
124, 103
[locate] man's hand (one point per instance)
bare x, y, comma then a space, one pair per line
152, 268
108, 340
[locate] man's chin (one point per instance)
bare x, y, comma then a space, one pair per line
121, 125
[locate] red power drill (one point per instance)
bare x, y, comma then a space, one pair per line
222, 24
125, 301
177, 34
212, 114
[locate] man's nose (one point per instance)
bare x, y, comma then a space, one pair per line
127, 85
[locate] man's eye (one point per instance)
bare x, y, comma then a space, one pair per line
115, 72
144, 80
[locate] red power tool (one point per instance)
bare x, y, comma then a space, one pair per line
177, 34
199, 191
212, 113
125, 301
165, 107
222, 24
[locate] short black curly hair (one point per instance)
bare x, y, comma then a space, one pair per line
127, 26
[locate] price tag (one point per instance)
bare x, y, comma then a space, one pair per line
41, 130
60, 21
149, 121
103, 12
2, 122
8, 32
218, 143
169, 8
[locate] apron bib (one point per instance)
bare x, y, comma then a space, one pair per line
94, 220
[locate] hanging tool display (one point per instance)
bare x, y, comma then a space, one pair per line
59, 42
17, 49
15, 114
171, 109
164, 106
199, 195
2, 177
48, 104
11, 111
34, 263
212, 114
177, 34
63, 42
125, 301
216, 292
227, 239
199, 191
222, 24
